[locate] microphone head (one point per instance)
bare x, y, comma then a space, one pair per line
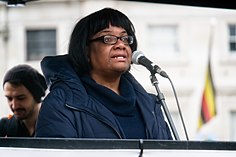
136, 55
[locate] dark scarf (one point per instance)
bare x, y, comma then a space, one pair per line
123, 106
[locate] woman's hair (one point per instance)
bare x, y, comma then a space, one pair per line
87, 27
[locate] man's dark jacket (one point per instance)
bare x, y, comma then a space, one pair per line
12, 127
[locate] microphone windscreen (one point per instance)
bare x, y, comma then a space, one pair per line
136, 55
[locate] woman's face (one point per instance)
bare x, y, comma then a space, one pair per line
106, 58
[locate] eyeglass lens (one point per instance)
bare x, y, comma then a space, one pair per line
114, 39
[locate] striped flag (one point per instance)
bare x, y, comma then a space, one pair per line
208, 104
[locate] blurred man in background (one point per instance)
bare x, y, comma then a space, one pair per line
24, 88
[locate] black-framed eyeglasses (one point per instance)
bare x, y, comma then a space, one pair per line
111, 39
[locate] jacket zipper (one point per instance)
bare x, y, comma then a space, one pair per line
77, 109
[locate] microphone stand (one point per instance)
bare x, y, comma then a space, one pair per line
161, 98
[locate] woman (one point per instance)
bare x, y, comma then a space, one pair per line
92, 94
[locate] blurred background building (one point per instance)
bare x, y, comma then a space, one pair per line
180, 39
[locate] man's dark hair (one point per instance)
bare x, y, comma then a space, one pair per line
29, 77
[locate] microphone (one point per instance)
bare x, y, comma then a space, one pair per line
139, 58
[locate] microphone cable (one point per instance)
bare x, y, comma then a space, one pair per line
178, 106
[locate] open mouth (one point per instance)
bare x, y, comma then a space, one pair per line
119, 57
